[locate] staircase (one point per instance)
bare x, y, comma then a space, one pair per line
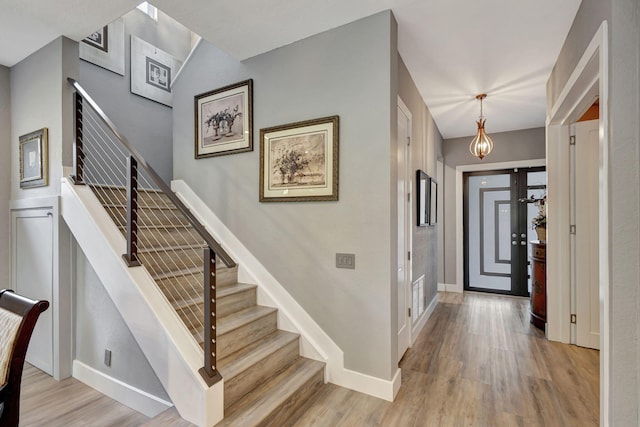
266, 381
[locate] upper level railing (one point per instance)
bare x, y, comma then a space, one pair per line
105, 160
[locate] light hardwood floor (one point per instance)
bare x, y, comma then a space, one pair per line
478, 362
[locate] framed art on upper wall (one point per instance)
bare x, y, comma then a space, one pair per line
152, 71
105, 47
34, 167
299, 161
224, 120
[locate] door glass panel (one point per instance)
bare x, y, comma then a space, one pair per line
489, 232
536, 178
536, 188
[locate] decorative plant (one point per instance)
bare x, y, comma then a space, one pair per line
539, 220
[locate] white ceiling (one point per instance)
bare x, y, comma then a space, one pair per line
454, 49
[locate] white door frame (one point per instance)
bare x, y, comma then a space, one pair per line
407, 222
61, 304
460, 170
588, 81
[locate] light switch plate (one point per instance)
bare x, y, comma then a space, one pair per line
346, 261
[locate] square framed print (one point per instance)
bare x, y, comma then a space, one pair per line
152, 71
299, 161
224, 120
105, 47
99, 39
34, 159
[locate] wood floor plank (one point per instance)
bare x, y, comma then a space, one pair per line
46, 402
477, 362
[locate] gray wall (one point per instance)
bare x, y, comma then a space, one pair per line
99, 326
624, 186
509, 146
346, 71
589, 17
426, 144
43, 99
145, 123
623, 17
5, 175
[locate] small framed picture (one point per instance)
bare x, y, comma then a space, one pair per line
423, 187
34, 159
299, 161
99, 39
224, 120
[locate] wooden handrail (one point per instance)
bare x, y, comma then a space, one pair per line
142, 164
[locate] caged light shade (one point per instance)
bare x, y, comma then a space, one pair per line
482, 143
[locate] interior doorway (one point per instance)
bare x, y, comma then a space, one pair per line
585, 260
404, 228
588, 82
497, 228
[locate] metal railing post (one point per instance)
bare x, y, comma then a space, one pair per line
210, 371
131, 257
78, 153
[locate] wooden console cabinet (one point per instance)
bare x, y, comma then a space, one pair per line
539, 284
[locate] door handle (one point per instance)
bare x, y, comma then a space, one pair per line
523, 243
523, 236
514, 243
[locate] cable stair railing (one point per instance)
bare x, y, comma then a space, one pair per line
161, 232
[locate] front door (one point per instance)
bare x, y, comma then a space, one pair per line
497, 229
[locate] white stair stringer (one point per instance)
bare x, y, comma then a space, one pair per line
170, 349
314, 341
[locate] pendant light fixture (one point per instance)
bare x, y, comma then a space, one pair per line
481, 144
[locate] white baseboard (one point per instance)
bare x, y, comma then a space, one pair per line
126, 394
425, 316
448, 287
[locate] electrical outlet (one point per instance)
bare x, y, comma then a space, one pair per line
346, 261
107, 357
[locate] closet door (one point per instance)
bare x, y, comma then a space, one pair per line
32, 251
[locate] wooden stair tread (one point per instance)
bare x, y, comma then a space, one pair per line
240, 318
269, 397
163, 227
166, 228
252, 354
169, 248
176, 273
223, 291
140, 206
